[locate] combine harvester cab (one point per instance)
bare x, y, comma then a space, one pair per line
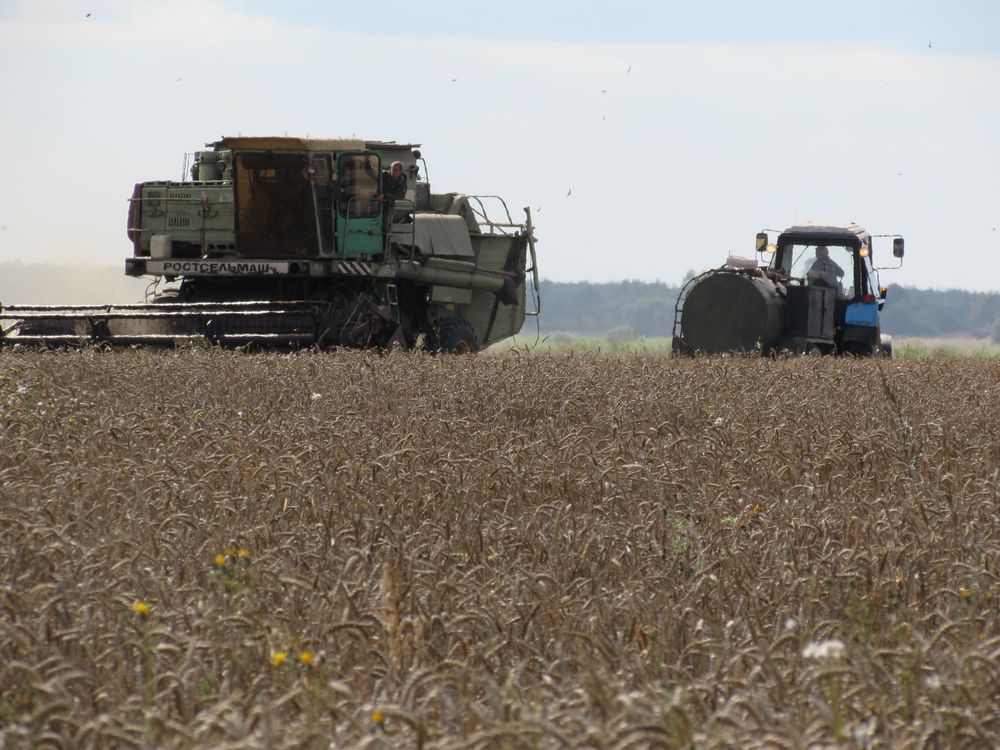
815, 291
302, 242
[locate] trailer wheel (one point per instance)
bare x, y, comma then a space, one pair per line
456, 336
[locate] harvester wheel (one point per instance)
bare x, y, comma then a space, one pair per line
456, 336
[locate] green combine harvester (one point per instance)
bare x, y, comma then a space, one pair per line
301, 242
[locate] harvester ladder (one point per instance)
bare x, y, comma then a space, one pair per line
392, 297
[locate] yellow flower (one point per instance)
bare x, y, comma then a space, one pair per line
278, 658
378, 717
230, 552
757, 507
141, 608
220, 561
964, 593
306, 657
244, 553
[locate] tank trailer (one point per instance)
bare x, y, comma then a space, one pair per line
815, 290
287, 241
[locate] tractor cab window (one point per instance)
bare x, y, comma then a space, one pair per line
824, 265
868, 276
359, 184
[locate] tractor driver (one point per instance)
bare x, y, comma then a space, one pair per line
824, 271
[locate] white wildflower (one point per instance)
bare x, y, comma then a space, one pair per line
824, 650
316, 396
791, 623
932, 681
22, 389
718, 422
864, 733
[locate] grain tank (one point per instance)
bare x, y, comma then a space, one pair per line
292, 241
816, 290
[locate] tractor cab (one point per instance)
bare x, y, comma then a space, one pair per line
832, 290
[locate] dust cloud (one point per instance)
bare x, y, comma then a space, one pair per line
44, 284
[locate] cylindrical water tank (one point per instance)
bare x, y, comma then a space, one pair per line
207, 166
732, 312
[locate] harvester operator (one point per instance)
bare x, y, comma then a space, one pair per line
393, 183
824, 271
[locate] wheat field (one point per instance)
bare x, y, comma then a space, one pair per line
206, 548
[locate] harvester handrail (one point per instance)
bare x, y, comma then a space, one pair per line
483, 214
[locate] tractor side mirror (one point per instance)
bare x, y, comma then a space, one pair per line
761, 243
897, 247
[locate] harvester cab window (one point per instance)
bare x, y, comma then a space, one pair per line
275, 212
319, 168
359, 184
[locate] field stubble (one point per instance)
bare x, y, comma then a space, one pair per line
206, 548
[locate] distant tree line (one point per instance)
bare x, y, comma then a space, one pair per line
639, 308
616, 308
951, 312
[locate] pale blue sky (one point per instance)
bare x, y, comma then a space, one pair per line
681, 129
969, 25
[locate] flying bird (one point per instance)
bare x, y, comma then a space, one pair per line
453, 80
569, 192
629, 69
604, 91
929, 44
88, 15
